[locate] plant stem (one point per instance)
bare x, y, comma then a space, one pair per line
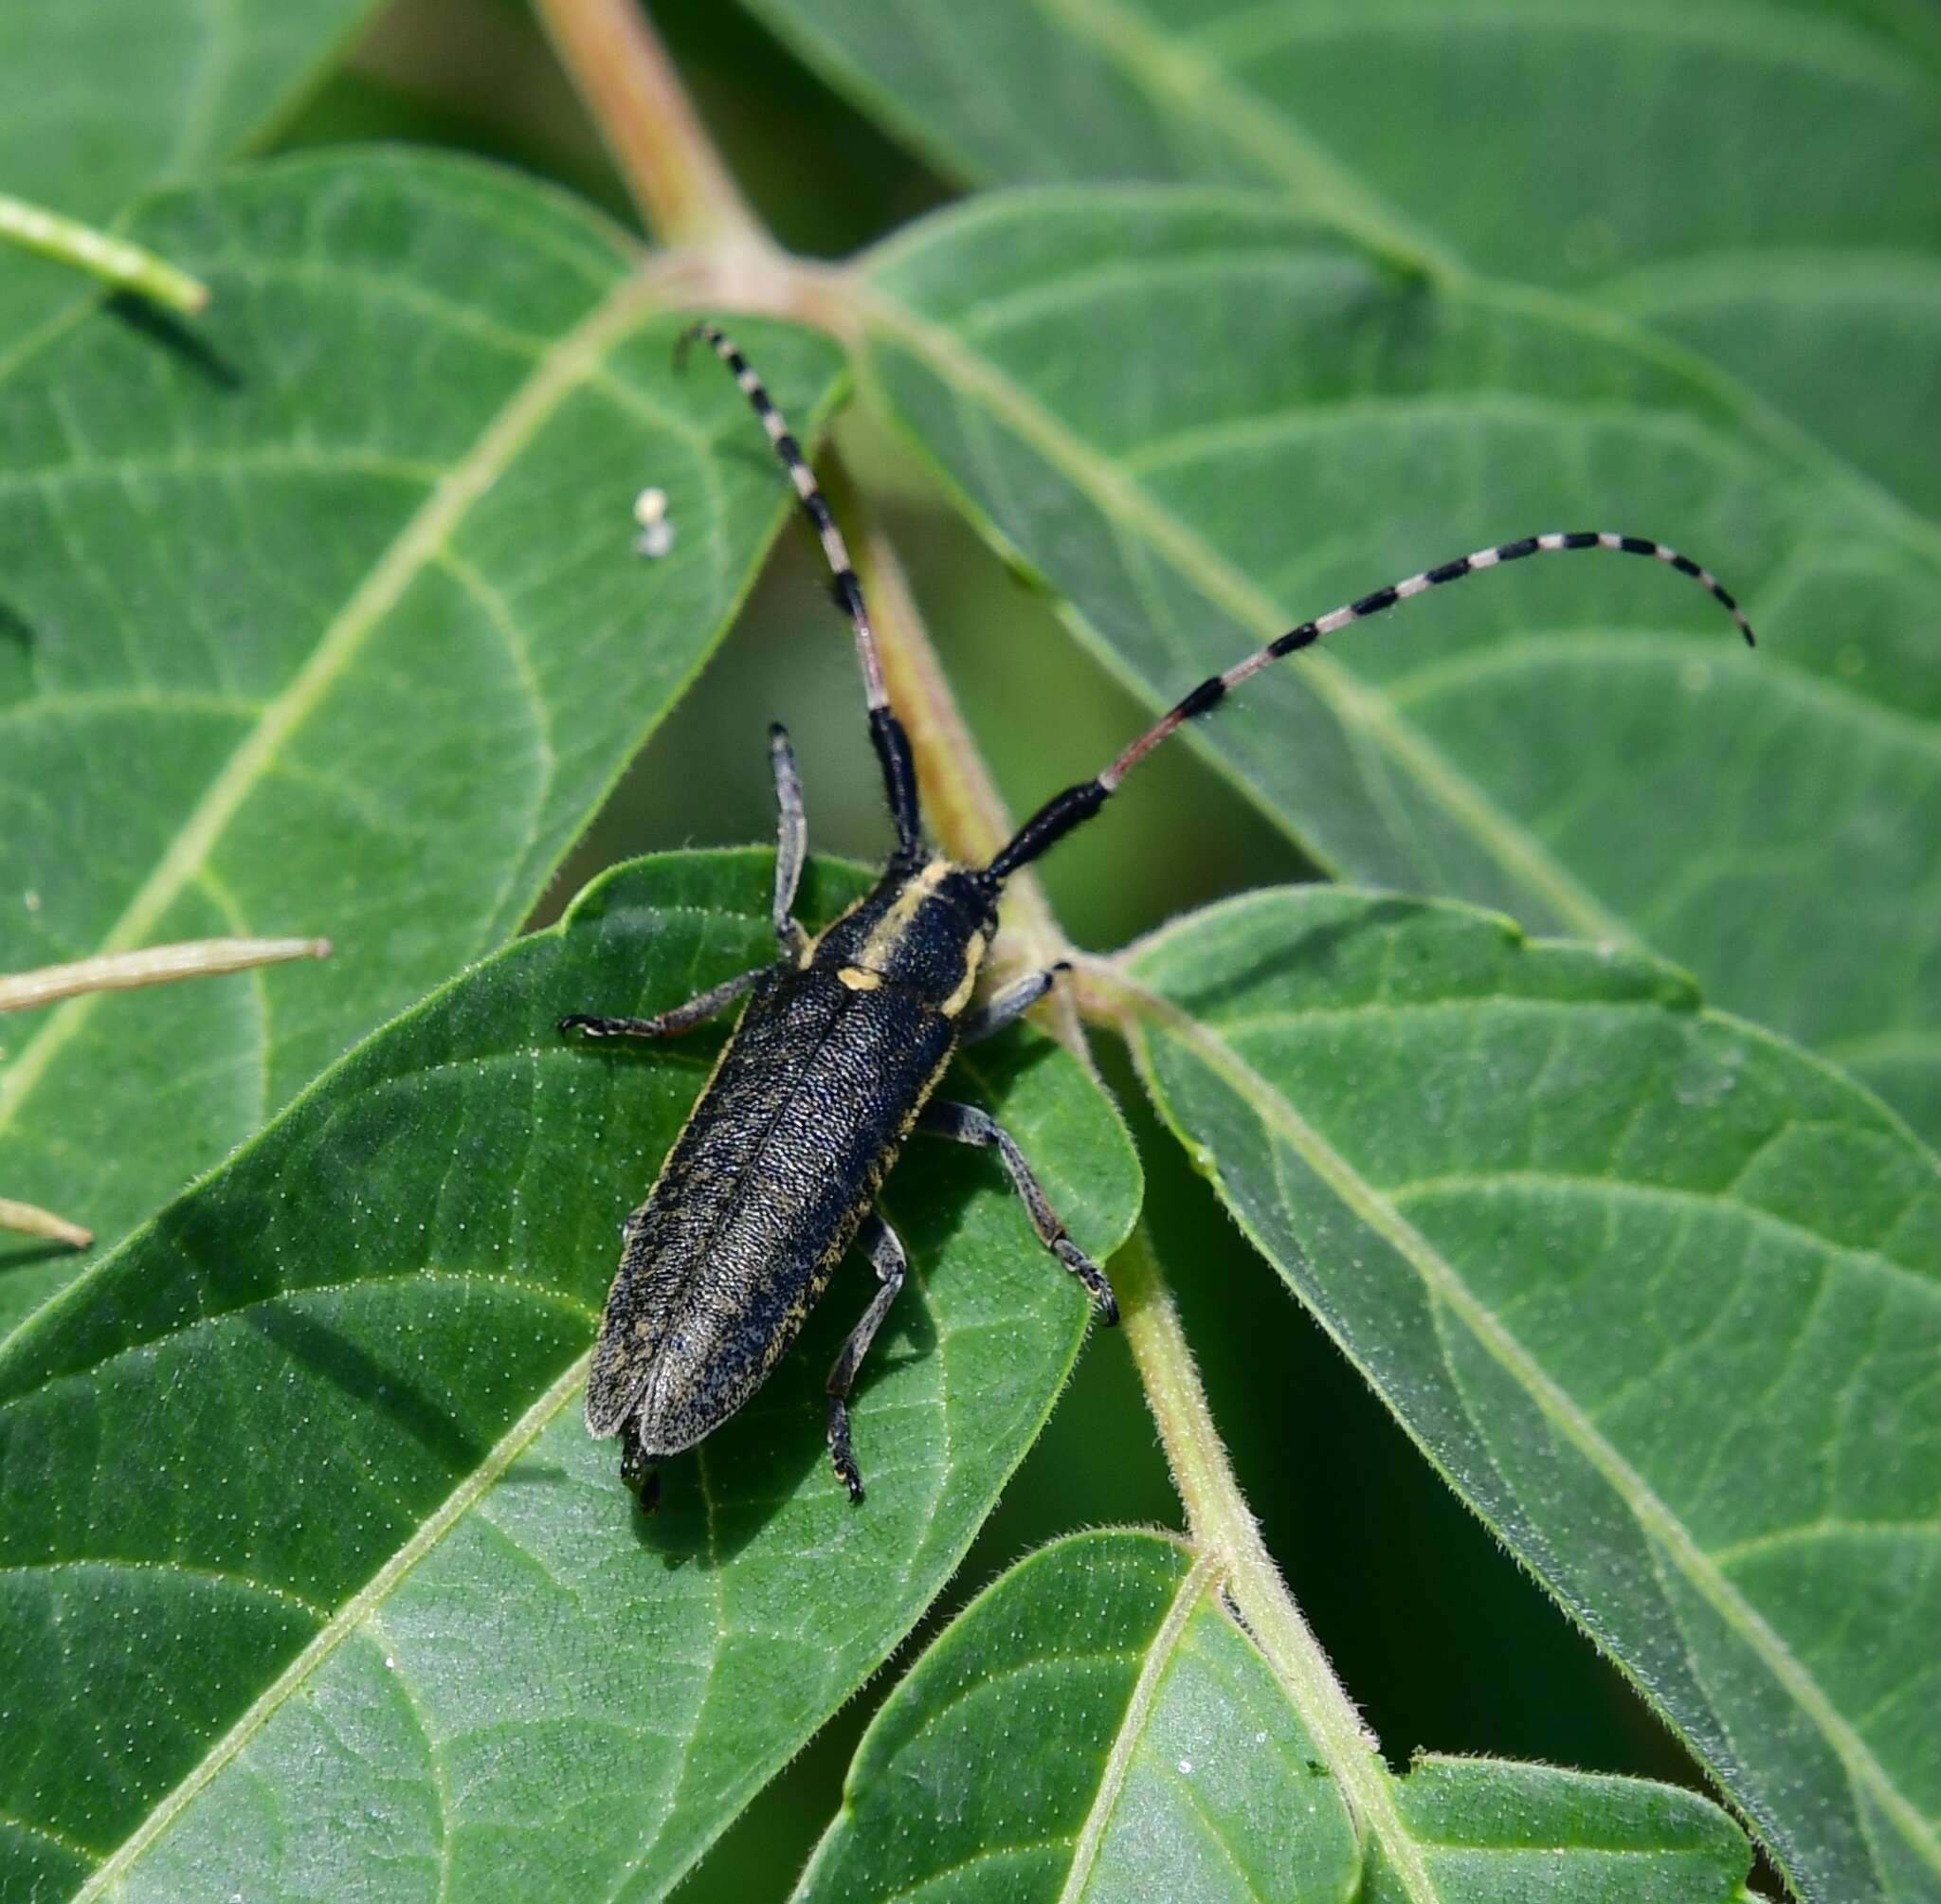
688, 199
960, 799
686, 191
152, 965
31, 1220
114, 260
1221, 1525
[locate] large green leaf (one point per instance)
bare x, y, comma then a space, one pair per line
1655, 1292
102, 101
1150, 1754
1205, 420
1147, 1752
326, 618
307, 1563
1758, 181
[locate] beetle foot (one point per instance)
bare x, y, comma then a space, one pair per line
1091, 1275
639, 1471
839, 1452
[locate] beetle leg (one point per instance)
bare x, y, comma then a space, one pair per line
886, 1252
1011, 1005
791, 840
968, 1125
702, 1005
638, 1469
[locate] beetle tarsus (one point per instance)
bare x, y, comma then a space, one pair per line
640, 1470
1009, 1004
608, 1028
698, 1010
1097, 1283
885, 1251
841, 1454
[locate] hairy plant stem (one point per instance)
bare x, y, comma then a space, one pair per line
685, 189
961, 800
724, 257
730, 262
1223, 1526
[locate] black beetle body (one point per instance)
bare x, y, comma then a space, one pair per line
780, 1163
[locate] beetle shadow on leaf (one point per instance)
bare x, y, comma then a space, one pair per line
354, 1372
17, 643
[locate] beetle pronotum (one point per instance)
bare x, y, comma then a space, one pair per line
840, 1047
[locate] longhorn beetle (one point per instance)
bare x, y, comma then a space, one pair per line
840, 1049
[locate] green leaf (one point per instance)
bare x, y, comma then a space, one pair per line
1205, 421
324, 617
1093, 1725
1495, 1833
101, 101
1757, 182
1148, 1752
306, 1560
1657, 1294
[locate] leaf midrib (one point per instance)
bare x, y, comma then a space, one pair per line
557, 374
1160, 1654
1444, 1281
378, 1589
1856, 1257
1169, 70
542, 1298
1172, 69
1607, 323
1811, 45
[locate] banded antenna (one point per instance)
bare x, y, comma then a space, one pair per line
1075, 805
885, 731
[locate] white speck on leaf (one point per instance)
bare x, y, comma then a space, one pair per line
657, 533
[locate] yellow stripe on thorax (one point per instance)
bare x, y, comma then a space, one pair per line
879, 948
974, 957
889, 930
